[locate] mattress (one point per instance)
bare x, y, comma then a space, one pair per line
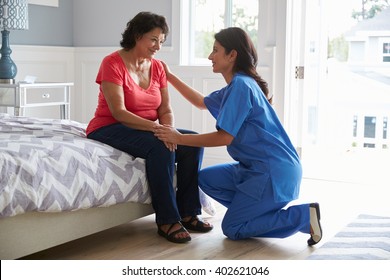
48, 165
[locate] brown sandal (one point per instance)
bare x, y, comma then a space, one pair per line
171, 236
197, 226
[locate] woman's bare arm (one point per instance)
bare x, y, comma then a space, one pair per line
114, 96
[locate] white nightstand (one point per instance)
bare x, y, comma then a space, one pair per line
24, 95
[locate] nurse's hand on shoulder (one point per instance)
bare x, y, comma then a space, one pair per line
167, 70
167, 134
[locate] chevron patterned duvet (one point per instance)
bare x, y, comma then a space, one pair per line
49, 165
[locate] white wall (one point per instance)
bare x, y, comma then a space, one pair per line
100, 23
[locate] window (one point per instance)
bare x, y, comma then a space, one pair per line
384, 134
206, 17
369, 127
386, 52
354, 126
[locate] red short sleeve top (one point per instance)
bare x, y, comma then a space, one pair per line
140, 101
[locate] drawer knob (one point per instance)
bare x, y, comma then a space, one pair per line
46, 95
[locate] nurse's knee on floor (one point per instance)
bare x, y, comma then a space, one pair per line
230, 232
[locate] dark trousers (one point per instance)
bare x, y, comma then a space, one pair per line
170, 205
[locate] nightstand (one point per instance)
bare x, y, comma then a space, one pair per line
24, 95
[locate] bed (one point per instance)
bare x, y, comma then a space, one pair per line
56, 185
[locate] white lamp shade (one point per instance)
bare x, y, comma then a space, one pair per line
13, 14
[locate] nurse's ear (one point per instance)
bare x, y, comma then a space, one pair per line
232, 56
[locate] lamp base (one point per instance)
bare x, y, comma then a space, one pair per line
7, 81
8, 68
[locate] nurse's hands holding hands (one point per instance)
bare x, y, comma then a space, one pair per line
167, 134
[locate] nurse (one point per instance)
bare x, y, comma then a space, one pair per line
267, 172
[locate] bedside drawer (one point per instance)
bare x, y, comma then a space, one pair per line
36, 98
7, 96
44, 95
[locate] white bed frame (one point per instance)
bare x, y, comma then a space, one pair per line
28, 233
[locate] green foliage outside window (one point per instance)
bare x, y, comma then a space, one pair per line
204, 39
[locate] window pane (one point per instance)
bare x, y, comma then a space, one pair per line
209, 19
386, 48
210, 16
245, 15
354, 126
369, 127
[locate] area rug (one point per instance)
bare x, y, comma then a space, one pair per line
366, 238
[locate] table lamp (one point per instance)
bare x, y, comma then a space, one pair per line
13, 16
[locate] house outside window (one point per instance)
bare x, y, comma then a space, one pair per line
207, 17
370, 131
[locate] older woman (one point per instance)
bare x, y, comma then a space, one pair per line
133, 101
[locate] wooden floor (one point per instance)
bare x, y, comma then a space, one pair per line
340, 203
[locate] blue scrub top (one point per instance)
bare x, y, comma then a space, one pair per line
261, 145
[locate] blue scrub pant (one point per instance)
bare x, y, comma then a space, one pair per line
169, 206
249, 217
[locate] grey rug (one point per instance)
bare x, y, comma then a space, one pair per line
366, 238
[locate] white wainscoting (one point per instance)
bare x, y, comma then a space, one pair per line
87, 62
187, 116
47, 64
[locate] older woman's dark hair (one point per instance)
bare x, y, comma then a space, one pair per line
234, 38
142, 23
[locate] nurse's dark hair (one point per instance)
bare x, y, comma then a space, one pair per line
234, 38
142, 23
